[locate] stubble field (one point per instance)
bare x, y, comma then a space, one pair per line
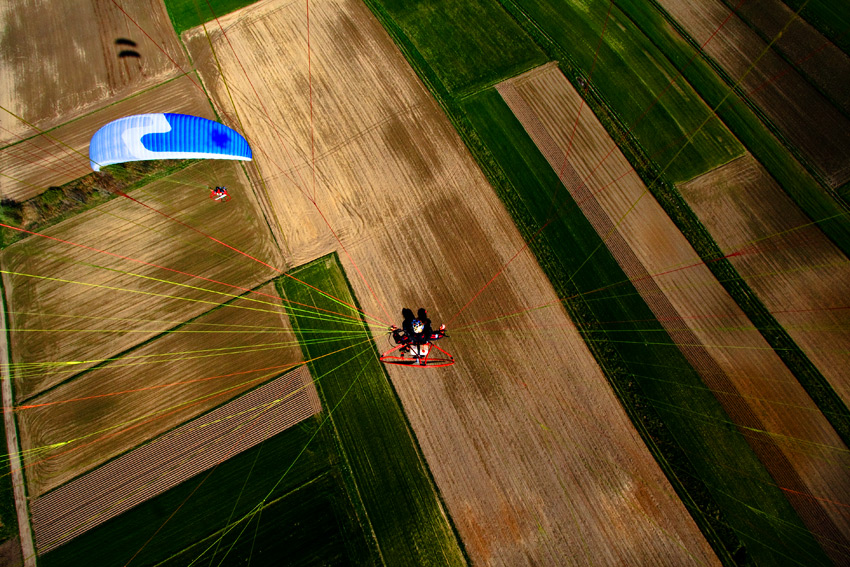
60, 59
392, 178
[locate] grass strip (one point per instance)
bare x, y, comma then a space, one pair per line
494, 47
629, 75
403, 509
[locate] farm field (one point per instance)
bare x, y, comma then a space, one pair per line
738, 117
802, 46
310, 509
799, 274
401, 507
96, 322
755, 388
377, 132
33, 164
494, 46
190, 368
634, 78
50, 72
802, 114
176, 456
830, 18
736, 505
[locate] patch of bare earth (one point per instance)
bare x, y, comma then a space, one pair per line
796, 271
59, 60
531, 451
178, 455
31, 165
803, 115
80, 305
800, 449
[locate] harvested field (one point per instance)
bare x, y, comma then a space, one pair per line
824, 64
526, 475
54, 321
51, 73
172, 458
797, 445
803, 115
177, 376
798, 273
35, 163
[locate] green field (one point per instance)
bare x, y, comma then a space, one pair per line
811, 197
492, 45
402, 507
728, 491
630, 74
187, 14
204, 505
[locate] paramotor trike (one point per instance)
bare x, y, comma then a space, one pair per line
421, 355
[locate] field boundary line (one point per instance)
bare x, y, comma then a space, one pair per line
12, 443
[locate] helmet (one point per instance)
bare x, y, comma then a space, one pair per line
418, 326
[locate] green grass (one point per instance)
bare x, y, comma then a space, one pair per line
727, 490
400, 500
470, 44
202, 505
311, 526
187, 14
630, 74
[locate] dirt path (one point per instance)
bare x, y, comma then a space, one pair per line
532, 453
26, 541
792, 438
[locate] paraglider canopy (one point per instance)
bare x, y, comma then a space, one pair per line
165, 136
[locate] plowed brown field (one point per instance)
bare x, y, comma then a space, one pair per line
532, 453
165, 382
802, 114
32, 165
108, 311
796, 443
60, 59
822, 62
796, 271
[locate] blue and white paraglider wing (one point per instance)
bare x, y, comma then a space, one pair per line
165, 136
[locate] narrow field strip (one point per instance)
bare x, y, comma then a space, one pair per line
110, 490
638, 249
